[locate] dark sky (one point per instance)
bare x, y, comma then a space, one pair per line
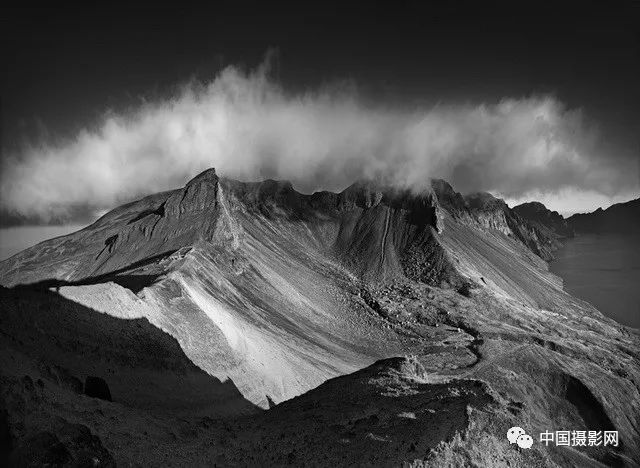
63, 66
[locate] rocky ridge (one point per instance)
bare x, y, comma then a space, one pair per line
261, 294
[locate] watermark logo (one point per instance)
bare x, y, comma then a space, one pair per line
517, 435
580, 438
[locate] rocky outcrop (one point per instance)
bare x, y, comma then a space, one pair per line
493, 213
544, 219
389, 414
488, 212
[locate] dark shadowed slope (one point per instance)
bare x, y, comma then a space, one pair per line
64, 366
144, 367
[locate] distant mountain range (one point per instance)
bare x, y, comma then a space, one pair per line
621, 218
618, 218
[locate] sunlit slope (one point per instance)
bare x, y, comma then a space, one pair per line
270, 301
491, 258
264, 285
257, 282
269, 321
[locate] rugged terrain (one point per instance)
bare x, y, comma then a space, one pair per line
551, 222
243, 323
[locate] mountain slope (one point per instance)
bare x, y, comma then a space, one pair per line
544, 219
257, 270
272, 292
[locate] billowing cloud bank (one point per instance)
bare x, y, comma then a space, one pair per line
250, 128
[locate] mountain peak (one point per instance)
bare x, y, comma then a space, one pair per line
542, 217
536, 207
208, 175
485, 201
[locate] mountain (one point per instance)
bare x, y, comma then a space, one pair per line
537, 236
246, 323
543, 218
619, 218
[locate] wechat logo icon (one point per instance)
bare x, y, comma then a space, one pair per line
517, 435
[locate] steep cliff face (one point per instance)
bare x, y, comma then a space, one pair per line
622, 218
495, 213
485, 211
544, 219
491, 213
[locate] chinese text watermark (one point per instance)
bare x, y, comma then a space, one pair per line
517, 435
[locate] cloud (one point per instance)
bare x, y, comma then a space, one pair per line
248, 127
